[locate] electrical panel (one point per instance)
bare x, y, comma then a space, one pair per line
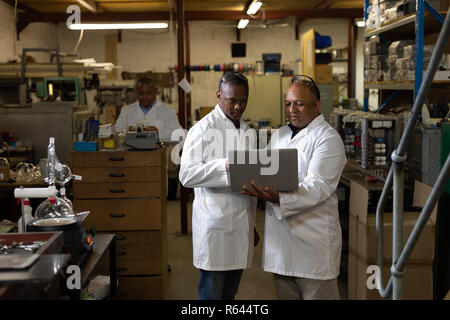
369, 138
379, 138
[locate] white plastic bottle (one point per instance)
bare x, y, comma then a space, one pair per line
27, 210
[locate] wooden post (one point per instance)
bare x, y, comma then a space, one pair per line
184, 194
351, 59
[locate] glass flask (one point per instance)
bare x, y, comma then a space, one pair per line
54, 207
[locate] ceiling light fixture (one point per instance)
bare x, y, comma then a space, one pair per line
254, 7
109, 26
242, 23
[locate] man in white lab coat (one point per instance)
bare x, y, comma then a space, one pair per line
148, 112
222, 220
302, 236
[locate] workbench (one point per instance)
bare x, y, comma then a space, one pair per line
43, 280
102, 242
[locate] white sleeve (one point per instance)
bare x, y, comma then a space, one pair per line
324, 171
171, 125
121, 123
194, 172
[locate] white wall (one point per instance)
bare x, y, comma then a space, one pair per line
35, 35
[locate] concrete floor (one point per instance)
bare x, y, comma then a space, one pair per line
183, 278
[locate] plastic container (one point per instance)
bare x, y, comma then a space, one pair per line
27, 214
85, 146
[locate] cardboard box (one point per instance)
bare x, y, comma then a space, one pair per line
362, 239
4, 173
417, 281
418, 278
324, 73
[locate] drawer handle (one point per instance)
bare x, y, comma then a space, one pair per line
117, 190
122, 269
119, 238
116, 159
117, 215
117, 175
121, 253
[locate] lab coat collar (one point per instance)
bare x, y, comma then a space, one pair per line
316, 122
147, 109
138, 108
224, 117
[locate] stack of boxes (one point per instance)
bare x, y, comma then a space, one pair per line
382, 12
418, 277
402, 60
394, 63
375, 59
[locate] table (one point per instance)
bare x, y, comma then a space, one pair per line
21, 284
101, 243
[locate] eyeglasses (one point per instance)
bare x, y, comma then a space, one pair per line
230, 76
307, 81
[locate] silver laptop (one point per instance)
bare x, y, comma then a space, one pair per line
276, 168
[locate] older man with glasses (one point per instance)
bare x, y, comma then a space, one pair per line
302, 236
222, 221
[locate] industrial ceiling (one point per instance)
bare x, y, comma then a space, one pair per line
189, 5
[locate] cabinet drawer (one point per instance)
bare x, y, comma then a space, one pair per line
122, 214
116, 190
117, 158
140, 288
118, 174
145, 251
136, 237
132, 267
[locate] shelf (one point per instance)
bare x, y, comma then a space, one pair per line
393, 25
405, 27
403, 85
390, 85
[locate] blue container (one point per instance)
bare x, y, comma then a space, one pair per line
85, 146
322, 41
271, 62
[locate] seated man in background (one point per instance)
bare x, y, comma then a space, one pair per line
148, 113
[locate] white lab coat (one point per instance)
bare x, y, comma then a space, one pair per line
222, 220
302, 236
160, 115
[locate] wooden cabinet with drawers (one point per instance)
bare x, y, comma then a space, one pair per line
125, 191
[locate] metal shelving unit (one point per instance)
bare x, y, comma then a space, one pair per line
411, 26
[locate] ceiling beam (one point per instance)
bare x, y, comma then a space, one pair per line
275, 14
91, 5
28, 17
325, 4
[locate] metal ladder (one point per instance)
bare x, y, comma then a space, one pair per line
396, 175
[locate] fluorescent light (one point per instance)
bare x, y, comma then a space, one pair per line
254, 7
242, 23
360, 23
105, 26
